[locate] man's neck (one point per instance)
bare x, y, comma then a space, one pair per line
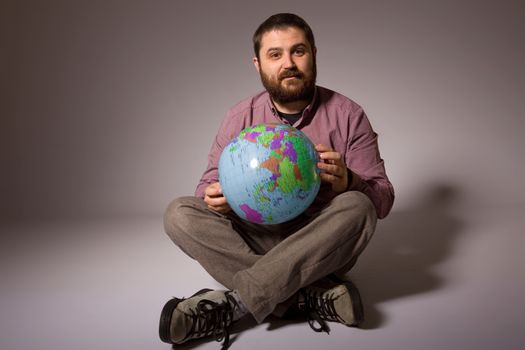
291, 107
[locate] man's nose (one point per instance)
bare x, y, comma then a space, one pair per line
288, 61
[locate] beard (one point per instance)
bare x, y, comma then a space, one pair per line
299, 89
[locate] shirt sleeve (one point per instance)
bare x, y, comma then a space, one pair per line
226, 132
368, 169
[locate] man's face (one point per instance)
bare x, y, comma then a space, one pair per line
286, 64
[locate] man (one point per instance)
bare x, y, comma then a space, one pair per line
272, 269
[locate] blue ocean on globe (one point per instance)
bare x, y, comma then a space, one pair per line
269, 173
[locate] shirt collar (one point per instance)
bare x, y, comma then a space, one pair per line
308, 112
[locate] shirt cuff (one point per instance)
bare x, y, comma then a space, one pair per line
353, 181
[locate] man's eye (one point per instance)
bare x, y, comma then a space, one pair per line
299, 52
275, 55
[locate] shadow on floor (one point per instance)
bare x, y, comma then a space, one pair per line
408, 246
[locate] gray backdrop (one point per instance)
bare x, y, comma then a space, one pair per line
108, 108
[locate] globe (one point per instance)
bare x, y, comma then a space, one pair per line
269, 173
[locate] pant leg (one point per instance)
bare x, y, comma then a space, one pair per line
331, 241
222, 243
209, 238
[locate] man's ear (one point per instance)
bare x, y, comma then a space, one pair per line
256, 64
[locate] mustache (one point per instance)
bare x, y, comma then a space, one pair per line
291, 73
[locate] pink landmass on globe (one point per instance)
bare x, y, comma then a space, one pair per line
251, 214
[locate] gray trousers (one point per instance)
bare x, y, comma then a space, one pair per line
268, 264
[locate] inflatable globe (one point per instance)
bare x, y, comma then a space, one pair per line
269, 173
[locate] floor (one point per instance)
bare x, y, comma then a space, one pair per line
429, 281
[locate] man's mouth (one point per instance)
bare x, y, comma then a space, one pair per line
290, 76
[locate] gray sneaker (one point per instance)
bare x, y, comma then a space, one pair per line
341, 304
207, 312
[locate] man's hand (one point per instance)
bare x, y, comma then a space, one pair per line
215, 199
333, 168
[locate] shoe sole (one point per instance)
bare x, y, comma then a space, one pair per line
166, 315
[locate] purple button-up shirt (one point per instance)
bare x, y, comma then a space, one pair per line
331, 119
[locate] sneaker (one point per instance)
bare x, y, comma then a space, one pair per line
207, 312
341, 304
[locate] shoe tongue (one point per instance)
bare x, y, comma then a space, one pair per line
189, 305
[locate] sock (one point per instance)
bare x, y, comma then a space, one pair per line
300, 299
240, 310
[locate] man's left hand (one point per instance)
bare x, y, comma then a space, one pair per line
333, 168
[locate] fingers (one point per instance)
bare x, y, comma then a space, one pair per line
215, 199
333, 168
223, 209
322, 148
328, 155
213, 190
331, 161
337, 178
339, 182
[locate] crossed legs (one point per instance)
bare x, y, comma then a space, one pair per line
268, 264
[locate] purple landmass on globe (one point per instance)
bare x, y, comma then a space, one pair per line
276, 141
252, 136
251, 214
290, 152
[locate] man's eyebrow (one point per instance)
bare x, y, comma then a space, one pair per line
299, 45
281, 49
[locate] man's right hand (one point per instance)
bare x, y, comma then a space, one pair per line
215, 199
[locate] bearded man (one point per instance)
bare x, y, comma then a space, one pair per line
300, 265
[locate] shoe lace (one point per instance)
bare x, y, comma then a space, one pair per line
212, 318
319, 307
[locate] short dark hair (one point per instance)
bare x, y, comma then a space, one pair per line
282, 21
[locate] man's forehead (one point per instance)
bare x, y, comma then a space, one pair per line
284, 37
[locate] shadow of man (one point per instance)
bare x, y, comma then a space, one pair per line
408, 246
